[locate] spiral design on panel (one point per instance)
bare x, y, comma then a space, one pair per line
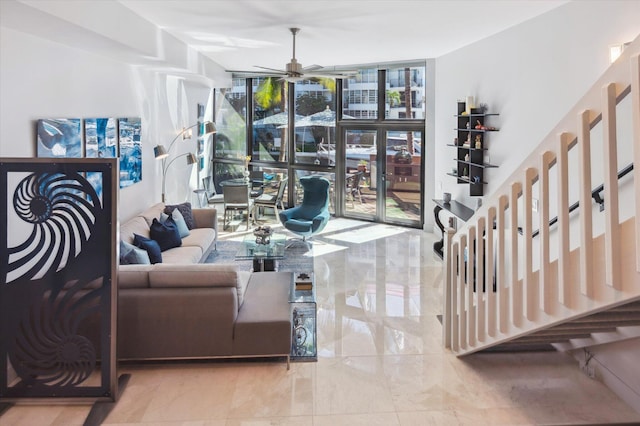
48, 350
61, 210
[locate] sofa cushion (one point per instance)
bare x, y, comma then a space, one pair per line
243, 281
153, 212
169, 275
200, 237
132, 255
205, 218
134, 276
166, 234
137, 225
182, 255
151, 246
263, 325
177, 217
185, 209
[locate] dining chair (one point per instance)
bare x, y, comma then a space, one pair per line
210, 192
236, 199
353, 187
271, 200
257, 183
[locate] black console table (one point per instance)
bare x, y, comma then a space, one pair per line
457, 209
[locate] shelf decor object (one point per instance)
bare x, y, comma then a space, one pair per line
161, 153
471, 144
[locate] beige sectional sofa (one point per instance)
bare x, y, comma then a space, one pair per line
182, 308
195, 247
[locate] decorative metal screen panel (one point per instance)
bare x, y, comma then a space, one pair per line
58, 278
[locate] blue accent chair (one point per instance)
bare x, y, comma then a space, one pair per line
312, 215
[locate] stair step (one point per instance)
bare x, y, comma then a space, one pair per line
629, 307
551, 338
587, 327
521, 347
558, 333
611, 316
596, 325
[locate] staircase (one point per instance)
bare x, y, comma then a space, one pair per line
513, 278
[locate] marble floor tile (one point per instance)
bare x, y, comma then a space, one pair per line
381, 361
377, 419
351, 385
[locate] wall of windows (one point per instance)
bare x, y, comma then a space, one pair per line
298, 128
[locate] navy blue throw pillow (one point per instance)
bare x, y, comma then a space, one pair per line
151, 246
166, 234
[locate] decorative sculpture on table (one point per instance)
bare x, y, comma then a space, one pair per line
263, 234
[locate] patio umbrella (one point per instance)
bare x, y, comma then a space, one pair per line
326, 118
280, 119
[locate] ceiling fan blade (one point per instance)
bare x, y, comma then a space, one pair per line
294, 71
313, 67
271, 69
254, 72
325, 75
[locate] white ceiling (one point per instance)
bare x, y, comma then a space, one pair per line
238, 34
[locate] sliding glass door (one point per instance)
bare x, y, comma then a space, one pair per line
383, 181
403, 177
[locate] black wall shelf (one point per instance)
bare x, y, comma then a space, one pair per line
471, 144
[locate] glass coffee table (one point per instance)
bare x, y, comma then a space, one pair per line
264, 256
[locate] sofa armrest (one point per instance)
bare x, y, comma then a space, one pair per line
206, 218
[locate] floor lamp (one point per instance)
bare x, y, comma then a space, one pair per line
161, 153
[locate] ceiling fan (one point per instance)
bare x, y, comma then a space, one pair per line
294, 71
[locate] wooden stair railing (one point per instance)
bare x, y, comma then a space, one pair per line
599, 274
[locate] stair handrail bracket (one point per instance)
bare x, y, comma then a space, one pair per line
505, 282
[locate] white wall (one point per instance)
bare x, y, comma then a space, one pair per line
531, 74
44, 79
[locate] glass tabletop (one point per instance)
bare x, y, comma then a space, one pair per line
249, 249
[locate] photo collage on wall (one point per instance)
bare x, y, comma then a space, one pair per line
103, 138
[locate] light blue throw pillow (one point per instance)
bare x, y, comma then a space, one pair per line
132, 255
181, 224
